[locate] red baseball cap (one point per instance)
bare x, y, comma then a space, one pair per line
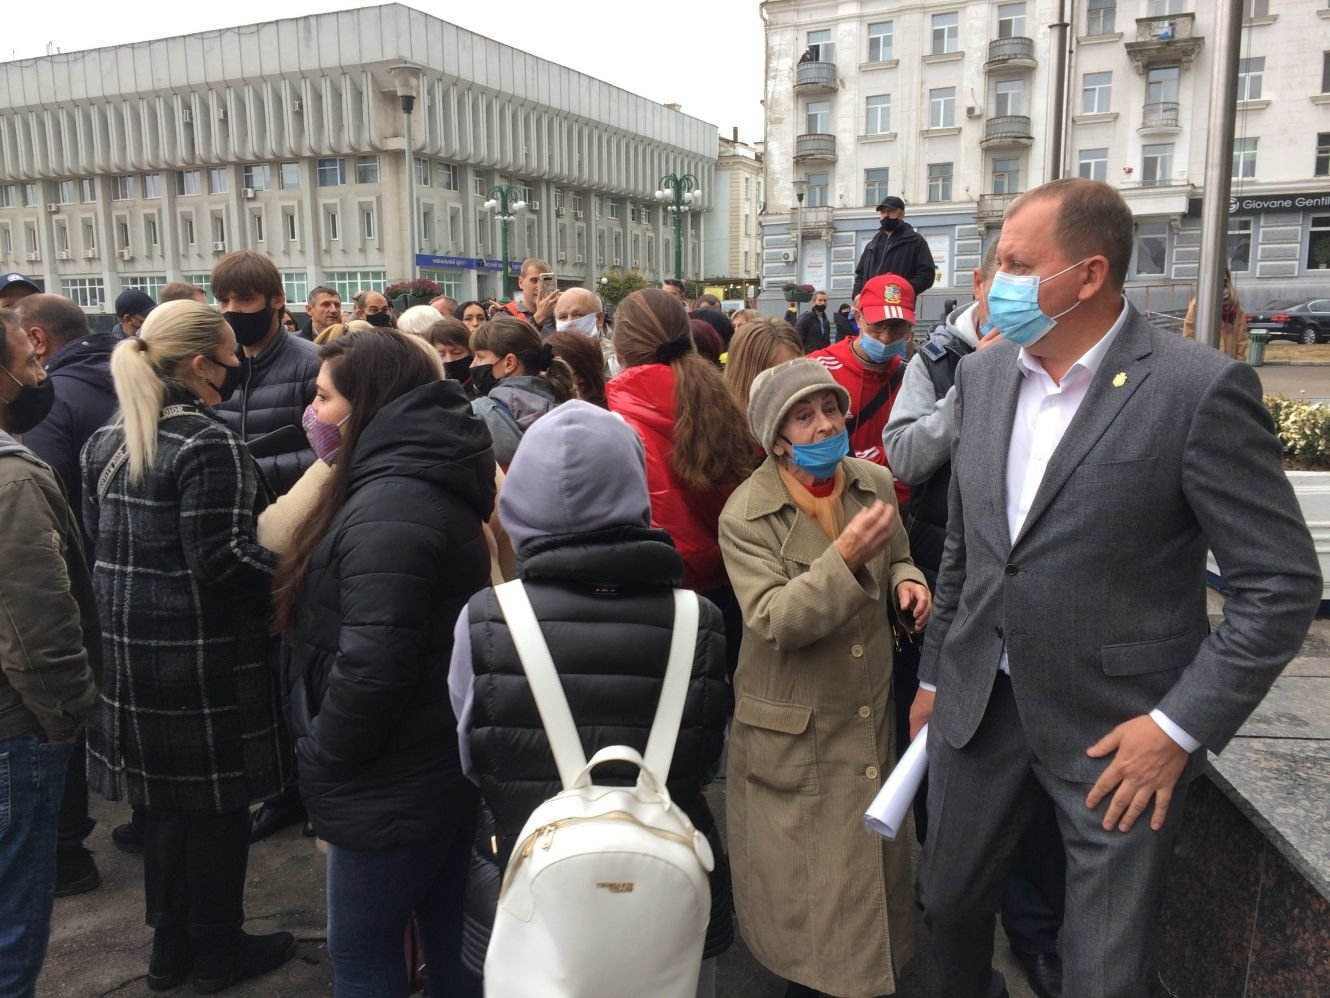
887, 296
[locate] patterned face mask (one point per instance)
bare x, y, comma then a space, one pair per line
325, 438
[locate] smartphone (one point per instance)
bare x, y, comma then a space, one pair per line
549, 283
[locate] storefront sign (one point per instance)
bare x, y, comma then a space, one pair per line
464, 263
1242, 205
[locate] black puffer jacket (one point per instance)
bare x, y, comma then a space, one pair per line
275, 388
902, 252
605, 606
377, 740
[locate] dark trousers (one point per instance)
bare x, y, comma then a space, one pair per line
74, 824
983, 797
194, 870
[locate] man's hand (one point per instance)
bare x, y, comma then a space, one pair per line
1147, 764
545, 308
867, 535
915, 599
920, 712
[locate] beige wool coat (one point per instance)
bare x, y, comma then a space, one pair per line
820, 899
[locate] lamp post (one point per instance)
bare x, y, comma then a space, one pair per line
406, 79
800, 190
678, 194
505, 202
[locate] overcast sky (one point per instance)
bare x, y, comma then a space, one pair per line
703, 54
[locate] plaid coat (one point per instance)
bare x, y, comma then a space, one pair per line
190, 709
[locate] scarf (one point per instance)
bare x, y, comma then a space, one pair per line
824, 510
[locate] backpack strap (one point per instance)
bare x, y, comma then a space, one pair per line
674, 690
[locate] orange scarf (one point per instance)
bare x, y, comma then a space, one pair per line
825, 512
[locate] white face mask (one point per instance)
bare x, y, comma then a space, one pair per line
586, 325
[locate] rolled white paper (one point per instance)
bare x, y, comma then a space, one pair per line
887, 813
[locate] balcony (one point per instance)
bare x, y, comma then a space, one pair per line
815, 78
816, 147
1011, 53
817, 222
1007, 130
1165, 39
1160, 117
993, 208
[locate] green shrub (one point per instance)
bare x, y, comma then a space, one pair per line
1304, 430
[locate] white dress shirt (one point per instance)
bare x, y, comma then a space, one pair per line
1044, 410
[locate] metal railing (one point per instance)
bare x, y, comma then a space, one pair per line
1011, 49
993, 207
1161, 114
1008, 127
815, 76
1165, 27
815, 146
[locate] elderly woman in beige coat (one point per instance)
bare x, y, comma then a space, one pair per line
814, 546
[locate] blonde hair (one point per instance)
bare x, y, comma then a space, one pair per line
143, 367
753, 350
332, 332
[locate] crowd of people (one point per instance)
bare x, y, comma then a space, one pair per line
251, 561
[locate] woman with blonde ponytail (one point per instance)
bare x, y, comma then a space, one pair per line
189, 712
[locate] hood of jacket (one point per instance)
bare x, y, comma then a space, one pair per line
8, 446
526, 398
579, 470
960, 323
429, 434
645, 394
87, 358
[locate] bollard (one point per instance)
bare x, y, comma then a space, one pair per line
1256, 341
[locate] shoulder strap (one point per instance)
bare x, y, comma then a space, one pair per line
674, 691
871, 407
117, 462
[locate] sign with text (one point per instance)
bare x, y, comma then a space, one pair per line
1256, 204
464, 263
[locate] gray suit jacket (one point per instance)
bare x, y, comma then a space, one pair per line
1101, 598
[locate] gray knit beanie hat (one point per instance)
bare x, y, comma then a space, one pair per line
777, 389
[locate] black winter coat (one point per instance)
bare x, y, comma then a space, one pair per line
275, 388
605, 606
814, 330
902, 252
376, 737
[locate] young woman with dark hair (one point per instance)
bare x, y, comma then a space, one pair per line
584, 356
366, 593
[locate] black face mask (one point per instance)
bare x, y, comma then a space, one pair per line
31, 405
250, 327
230, 381
458, 370
890, 223
380, 320
819, 308
483, 380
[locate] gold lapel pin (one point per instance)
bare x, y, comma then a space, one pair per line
1119, 379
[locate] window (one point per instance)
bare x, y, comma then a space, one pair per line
1093, 164
150, 231
87, 190
1318, 243
1156, 164
6, 242
30, 238
257, 222
1011, 20
188, 182
86, 292
819, 44
876, 185
203, 281
879, 41
478, 187
422, 172
289, 224
187, 230
256, 176
1238, 248
879, 115
449, 281
446, 176
122, 234
348, 282
330, 225
1161, 85
152, 185
817, 190
30, 195
1006, 176
331, 172
367, 169
62, 236
1255, 8
1250, 72
217, 180
942, 107
64, 192
1010, 97
288, 174
1158, 8
946, 33
939, 181
295, 285
1100, 16
1244, 159
89, 236
818, 117
614, 207
1096, 93
150, 284
122, 188
8, 195
1322, 155
1151, 248
426, 225
1325, 72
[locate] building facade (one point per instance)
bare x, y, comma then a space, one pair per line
953, 107
733, 246
141, 164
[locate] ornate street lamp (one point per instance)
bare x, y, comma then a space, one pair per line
678, 194
506, 202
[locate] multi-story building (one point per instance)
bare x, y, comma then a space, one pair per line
953, 106
141, 164
733, 244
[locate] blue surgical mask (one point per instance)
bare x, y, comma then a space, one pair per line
821, 458
1013, 307
878, 352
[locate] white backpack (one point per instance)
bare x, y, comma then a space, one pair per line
606, 893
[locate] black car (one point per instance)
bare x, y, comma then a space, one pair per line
1303, 321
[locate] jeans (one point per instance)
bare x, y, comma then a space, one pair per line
32, 780
371, 894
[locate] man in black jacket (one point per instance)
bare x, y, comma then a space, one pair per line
897, 249
814, 326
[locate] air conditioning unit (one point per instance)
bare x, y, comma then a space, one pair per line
563, 257
579, 259
602, 262
618, 261
533, 205
187, 116
52, 206
33, 257
580, 214
63, 254
247, 192
973, 111
787, 256
126, 254
219, 247
559, 211
221, 114
297, 105
637, 263
90, 254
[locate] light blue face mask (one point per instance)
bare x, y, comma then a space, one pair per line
878, 352
821, 458
1013, 307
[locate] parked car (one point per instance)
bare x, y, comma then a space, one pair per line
1303, 321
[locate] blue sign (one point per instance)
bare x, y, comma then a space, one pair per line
464, 263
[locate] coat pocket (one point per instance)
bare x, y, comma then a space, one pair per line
781, 744
1138, 658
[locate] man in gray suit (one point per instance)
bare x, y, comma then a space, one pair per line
1096, 458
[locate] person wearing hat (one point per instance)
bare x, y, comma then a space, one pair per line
814, 546
897, 249
14, 288
131, 308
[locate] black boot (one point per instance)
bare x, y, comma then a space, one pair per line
172, 958
129, 836
229, 958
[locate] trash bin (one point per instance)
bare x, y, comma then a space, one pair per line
1256, 341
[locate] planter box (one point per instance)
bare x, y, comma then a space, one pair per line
402, 302
798, 296
1313, 491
